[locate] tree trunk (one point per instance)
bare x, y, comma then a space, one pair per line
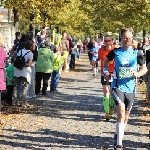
144, 33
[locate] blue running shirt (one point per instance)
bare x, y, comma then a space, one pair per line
125, 63
95, 56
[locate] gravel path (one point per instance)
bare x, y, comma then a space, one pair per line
72, 118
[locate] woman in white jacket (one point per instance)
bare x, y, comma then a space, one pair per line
23, 76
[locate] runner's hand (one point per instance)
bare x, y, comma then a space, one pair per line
135, 74
107, 76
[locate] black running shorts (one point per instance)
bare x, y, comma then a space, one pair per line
103, 82
90, 56
122, 97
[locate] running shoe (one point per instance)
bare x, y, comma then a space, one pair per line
118, 147
107, 117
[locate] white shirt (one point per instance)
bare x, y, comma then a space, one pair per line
26, 71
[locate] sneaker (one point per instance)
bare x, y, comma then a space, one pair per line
118, 147
107, 117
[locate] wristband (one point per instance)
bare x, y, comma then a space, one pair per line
105, 70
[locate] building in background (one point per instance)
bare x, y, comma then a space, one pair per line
7, 28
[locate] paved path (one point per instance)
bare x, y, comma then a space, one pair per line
71, 119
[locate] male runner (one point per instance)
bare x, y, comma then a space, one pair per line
126, 60
108, 101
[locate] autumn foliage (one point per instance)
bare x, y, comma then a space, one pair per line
83, 16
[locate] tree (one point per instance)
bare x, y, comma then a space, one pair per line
84, 17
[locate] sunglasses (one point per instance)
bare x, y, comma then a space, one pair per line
107, 40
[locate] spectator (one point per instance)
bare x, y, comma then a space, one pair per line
140, 47
18, 36
23, 76
2, 67
145, 48
31, 90
52, 46
146, 45
73, 56
58, 60
10, 82
44, 67
41, 38
65, 51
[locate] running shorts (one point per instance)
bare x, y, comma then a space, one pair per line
122, 97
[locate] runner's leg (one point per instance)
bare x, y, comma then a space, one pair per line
119, 99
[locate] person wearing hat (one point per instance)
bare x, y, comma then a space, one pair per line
44, 67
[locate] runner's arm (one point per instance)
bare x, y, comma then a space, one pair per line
141, 62
30, 59
108, 58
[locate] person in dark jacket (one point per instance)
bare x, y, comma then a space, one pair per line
18, 36
21, 45
73, 56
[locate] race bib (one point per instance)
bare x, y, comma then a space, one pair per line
125, 72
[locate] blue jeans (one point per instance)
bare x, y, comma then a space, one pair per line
78, 54
20, 90
54, 79
68, 61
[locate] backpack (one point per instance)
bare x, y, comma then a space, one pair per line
63, 44
20, 61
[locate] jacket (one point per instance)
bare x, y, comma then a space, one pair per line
58, 60
45, 60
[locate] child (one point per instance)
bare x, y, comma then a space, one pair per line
58, 60
10, 82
